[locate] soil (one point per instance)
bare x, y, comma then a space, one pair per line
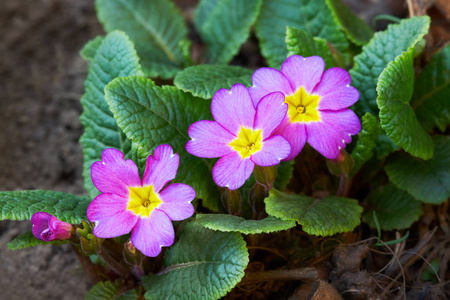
41, 83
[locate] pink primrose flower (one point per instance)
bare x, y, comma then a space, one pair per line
142, 207
241, 135
48, 228
318, 104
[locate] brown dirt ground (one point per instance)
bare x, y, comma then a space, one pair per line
41, 82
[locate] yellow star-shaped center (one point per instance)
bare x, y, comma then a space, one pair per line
247, 142
303, 107
143, 200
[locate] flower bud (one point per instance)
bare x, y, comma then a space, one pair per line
48, 228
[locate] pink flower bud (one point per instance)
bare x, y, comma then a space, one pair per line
48, 228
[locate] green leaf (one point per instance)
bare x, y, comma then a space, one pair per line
224, 26
203, 11
312, 16
156, 27
431, 94
432, 271
299, 42
284, 174
232, 223
203, 264
21, 205
108, 290
356, 29
327, 216
384, 146
395, 209
27, 239
115, 57
397, 118
375, 56
91, 47
364, 149
151, 115
428, 181
204, 80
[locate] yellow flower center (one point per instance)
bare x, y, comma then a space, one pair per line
247, 142
303, 107
143, 200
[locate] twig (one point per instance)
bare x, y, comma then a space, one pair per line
303, 274
411, 253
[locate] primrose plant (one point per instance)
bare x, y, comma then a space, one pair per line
190, 163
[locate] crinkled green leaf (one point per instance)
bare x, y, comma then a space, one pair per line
375, 56
299, 42
151, 115
384, 146
394, 208
115, 57
428, 181
355, 28
156, 27
432, 91
312, 16
203, 12
203, 264
27, 239
227, 223
364, 149
224, 26
326, 216
90, 48
284, 174
21, 205
204, 80
108, 290
397, 118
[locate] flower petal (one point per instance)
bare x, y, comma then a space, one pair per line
335, 91
176, 201
40, 223
270, 111
152, 233
274, 149
116, 225
344, 121
161, 167
209, 139
114, 174
295, 134
303, 71
266, 81
60, 234
106, 205
333, 132
232, 171
54, 224
233, 108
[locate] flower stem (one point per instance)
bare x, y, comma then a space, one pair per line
138, 272
87, 264
344, 186
265, 176
118, 268
232, 200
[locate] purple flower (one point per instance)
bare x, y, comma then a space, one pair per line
142, 207
318, 104
48, 228
241, 135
